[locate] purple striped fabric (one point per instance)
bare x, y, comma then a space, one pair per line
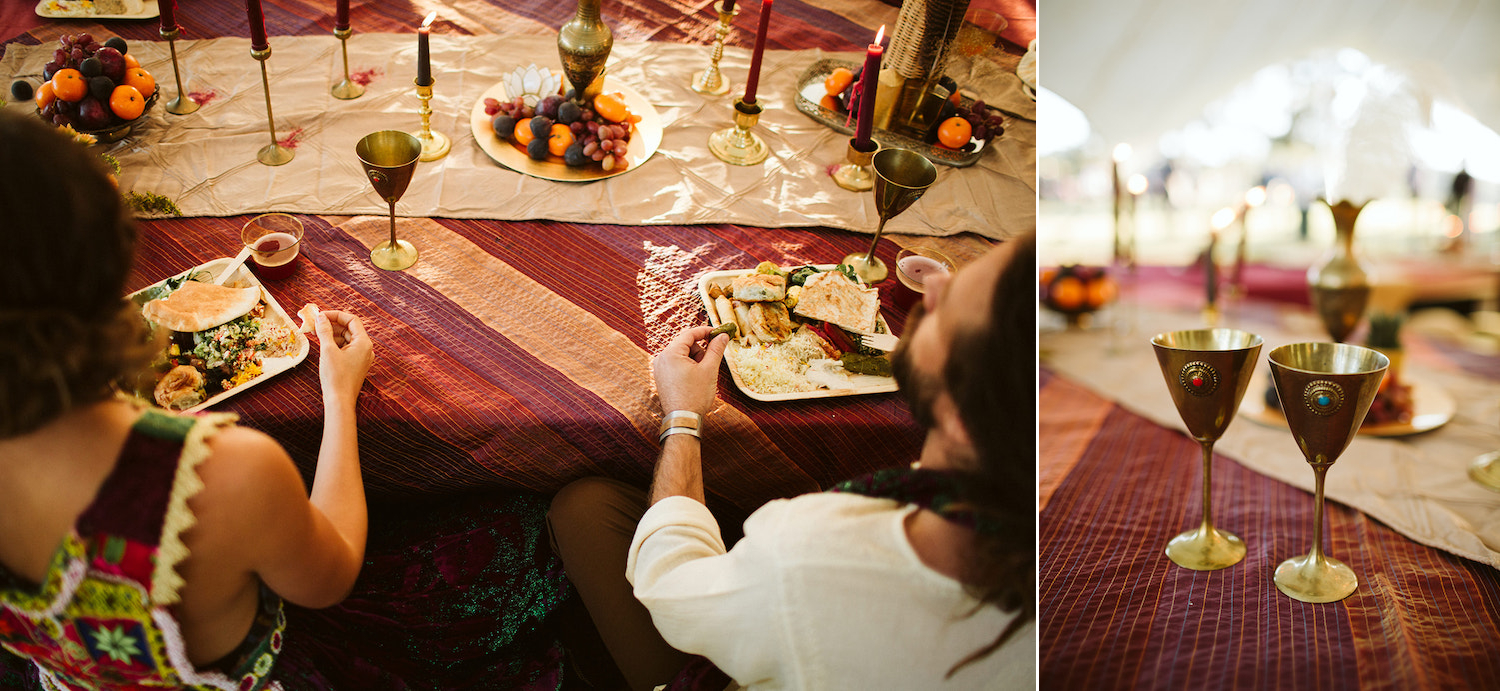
1116, 614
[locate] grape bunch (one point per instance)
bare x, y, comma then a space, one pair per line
579, 133
983, 125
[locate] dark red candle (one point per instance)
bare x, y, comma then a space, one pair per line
868, 83
760, 47
257, 26
168, 14
728, 6
341, 14
424, 52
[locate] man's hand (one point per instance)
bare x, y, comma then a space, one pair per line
687, 375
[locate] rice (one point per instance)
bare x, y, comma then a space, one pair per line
778, 367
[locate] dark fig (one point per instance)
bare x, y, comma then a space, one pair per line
537, 149
91, 67
118, 44
541, 127
101, 87
21, 90
504, 126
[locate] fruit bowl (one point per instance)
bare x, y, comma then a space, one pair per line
117, 131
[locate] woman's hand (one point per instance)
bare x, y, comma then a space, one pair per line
345, 355
687, 375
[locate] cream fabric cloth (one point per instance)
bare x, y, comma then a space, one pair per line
205, 161
1417, 485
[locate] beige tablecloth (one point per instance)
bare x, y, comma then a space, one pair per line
205, 161
1417, 485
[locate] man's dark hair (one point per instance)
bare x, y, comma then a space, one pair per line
991, 377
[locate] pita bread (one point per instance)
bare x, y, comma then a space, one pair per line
198, 306
831, 297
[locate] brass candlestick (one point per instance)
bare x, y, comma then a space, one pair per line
738, 145
435, 145
855, 175
710, 81
1485, 470
273, 154
179, 105
346, 90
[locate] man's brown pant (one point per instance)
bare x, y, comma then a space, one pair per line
592, 522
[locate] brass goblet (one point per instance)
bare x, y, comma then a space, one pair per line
389, 158
901, 178
1207, 372
1325, 391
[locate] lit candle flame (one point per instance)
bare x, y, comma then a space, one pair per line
1137, 184
880, 34
1122, 152
1256, 196
427, 23
1222, 218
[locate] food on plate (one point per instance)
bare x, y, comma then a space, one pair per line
218, 338
831, 297
759, 288
197, 306
779, 350
572, 132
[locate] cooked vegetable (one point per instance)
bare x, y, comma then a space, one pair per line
769, 268
792, 295
725, 328
866, 364
800, 275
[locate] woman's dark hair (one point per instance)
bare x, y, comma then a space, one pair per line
991, 377
66, 333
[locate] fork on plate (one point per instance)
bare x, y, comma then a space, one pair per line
886, 342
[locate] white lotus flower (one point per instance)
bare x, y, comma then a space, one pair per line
531, 83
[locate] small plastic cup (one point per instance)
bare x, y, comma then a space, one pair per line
913, 266
275, 241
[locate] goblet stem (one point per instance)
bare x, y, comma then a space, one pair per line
1316, 554
393, 223
878, 228
1208, 473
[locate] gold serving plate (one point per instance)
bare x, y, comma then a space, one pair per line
644, 140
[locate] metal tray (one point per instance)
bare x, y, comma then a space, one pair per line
810, 90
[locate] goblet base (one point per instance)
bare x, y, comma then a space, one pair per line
182, 106
347, 90
1485, 470
1315, 580
274, 155
1206, 549
394, 257
873, 271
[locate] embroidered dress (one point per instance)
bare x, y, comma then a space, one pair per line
101, 617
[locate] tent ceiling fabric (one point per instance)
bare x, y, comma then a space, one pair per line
1138, 68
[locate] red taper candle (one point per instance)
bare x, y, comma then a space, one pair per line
869, 81
257, 26
168, 14
728, 6
341, 14
760, 47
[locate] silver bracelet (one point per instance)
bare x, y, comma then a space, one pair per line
677, 430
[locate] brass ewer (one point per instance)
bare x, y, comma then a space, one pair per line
1325, 391
1207, 371
1339, 287
584, 43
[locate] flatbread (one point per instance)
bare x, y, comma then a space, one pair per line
197, 306
831, 297
759, 288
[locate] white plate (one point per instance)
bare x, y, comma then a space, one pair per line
643, 141
885, 385
1432, 407
270, 366
148, 10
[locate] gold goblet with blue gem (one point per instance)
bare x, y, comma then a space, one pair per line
1325, 391
1207, 371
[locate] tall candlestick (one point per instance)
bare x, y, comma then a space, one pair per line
341, 14
424, 56
867, 81
168, 15
257, 26
760, 47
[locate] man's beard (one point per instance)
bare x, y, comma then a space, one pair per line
919, 388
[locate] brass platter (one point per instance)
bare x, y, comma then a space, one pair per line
644, 140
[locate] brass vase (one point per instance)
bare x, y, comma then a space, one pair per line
584, 44
1339, 287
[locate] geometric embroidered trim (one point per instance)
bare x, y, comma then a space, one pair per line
165, 581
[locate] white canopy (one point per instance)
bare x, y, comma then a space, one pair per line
1138, 68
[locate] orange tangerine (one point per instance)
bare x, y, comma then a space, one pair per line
45, 95
954, 132
523, 131
1101, 292
127, 102
838, 80
130, 61
559, 139
829, 102
611, 107
141, 79
69, 85
1067, 293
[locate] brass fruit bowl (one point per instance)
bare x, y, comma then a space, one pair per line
119, 130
